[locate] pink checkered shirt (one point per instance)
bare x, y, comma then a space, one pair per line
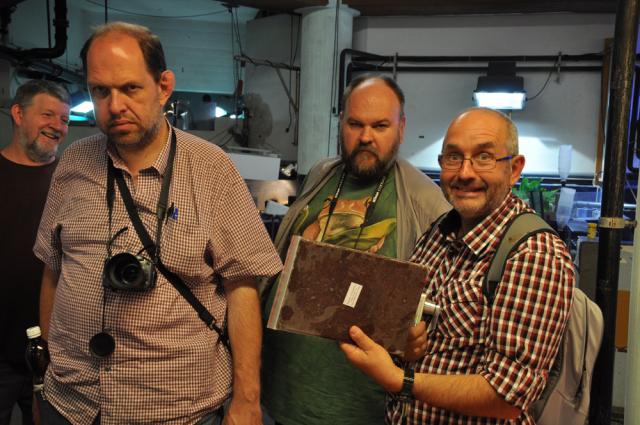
512, 343
167, 366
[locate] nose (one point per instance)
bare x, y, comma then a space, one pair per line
466, 170
116, 103
366, 135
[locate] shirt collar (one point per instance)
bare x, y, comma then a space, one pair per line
485, 234
160, 164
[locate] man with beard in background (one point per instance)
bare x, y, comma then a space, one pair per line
40, 116
367, 199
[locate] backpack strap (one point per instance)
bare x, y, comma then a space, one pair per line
519, 229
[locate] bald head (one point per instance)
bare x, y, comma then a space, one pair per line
510, 130
148, 43
368, 79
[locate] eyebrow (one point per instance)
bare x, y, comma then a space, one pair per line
484, 145
374, 122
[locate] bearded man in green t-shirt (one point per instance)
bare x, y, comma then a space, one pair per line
367, 199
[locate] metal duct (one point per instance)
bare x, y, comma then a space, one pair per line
60, 24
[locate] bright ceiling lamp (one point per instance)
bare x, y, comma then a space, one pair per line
500, 88
83, 107
220, 112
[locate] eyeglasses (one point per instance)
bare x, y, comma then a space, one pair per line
480, 162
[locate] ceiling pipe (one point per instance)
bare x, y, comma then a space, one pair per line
61, 24
365, 61
595, 57
359, 66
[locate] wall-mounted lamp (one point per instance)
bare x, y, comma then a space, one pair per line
500, 88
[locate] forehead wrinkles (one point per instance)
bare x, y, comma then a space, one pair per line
477, 130
114, 56
373, 100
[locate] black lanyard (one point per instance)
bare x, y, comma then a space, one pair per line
161, 209
154, 248
368, 212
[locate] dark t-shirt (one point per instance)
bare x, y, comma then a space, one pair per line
23, 192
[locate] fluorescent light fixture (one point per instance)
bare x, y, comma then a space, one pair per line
500, 88
83, 108
79, 118
220, 112
500, 100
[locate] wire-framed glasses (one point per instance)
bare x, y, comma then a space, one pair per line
482, 161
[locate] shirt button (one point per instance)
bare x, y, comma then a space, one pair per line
107, 368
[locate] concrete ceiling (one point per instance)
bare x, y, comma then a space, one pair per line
200, 10
442, 7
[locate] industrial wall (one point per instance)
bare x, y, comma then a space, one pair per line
566, 112
198, 51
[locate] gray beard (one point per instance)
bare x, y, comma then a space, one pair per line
37, 153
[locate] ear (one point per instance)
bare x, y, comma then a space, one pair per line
517, 164
16, 114
401, 126
166, 84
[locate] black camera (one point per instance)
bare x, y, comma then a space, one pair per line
128, 272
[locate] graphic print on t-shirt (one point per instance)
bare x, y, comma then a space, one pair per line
343, 226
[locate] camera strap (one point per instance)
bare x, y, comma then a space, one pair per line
154, 248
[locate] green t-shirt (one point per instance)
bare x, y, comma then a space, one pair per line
307, 380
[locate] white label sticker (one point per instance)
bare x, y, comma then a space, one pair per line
352, 295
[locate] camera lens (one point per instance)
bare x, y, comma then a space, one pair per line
130, 274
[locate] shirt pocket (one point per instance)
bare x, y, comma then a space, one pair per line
462, 311
184, 251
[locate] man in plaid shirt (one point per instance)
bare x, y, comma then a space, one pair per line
482, 363
143, 355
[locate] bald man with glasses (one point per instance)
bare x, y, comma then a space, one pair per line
483, 363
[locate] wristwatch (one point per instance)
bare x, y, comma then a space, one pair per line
406, 393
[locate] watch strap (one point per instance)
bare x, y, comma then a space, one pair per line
406, 393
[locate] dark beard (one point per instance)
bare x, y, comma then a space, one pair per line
147, 136
373, 173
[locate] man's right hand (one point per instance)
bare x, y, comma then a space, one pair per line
373, 360
416, 342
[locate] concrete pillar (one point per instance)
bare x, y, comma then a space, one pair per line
319, 61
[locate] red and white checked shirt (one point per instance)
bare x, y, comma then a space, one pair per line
167, 366
512, 343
